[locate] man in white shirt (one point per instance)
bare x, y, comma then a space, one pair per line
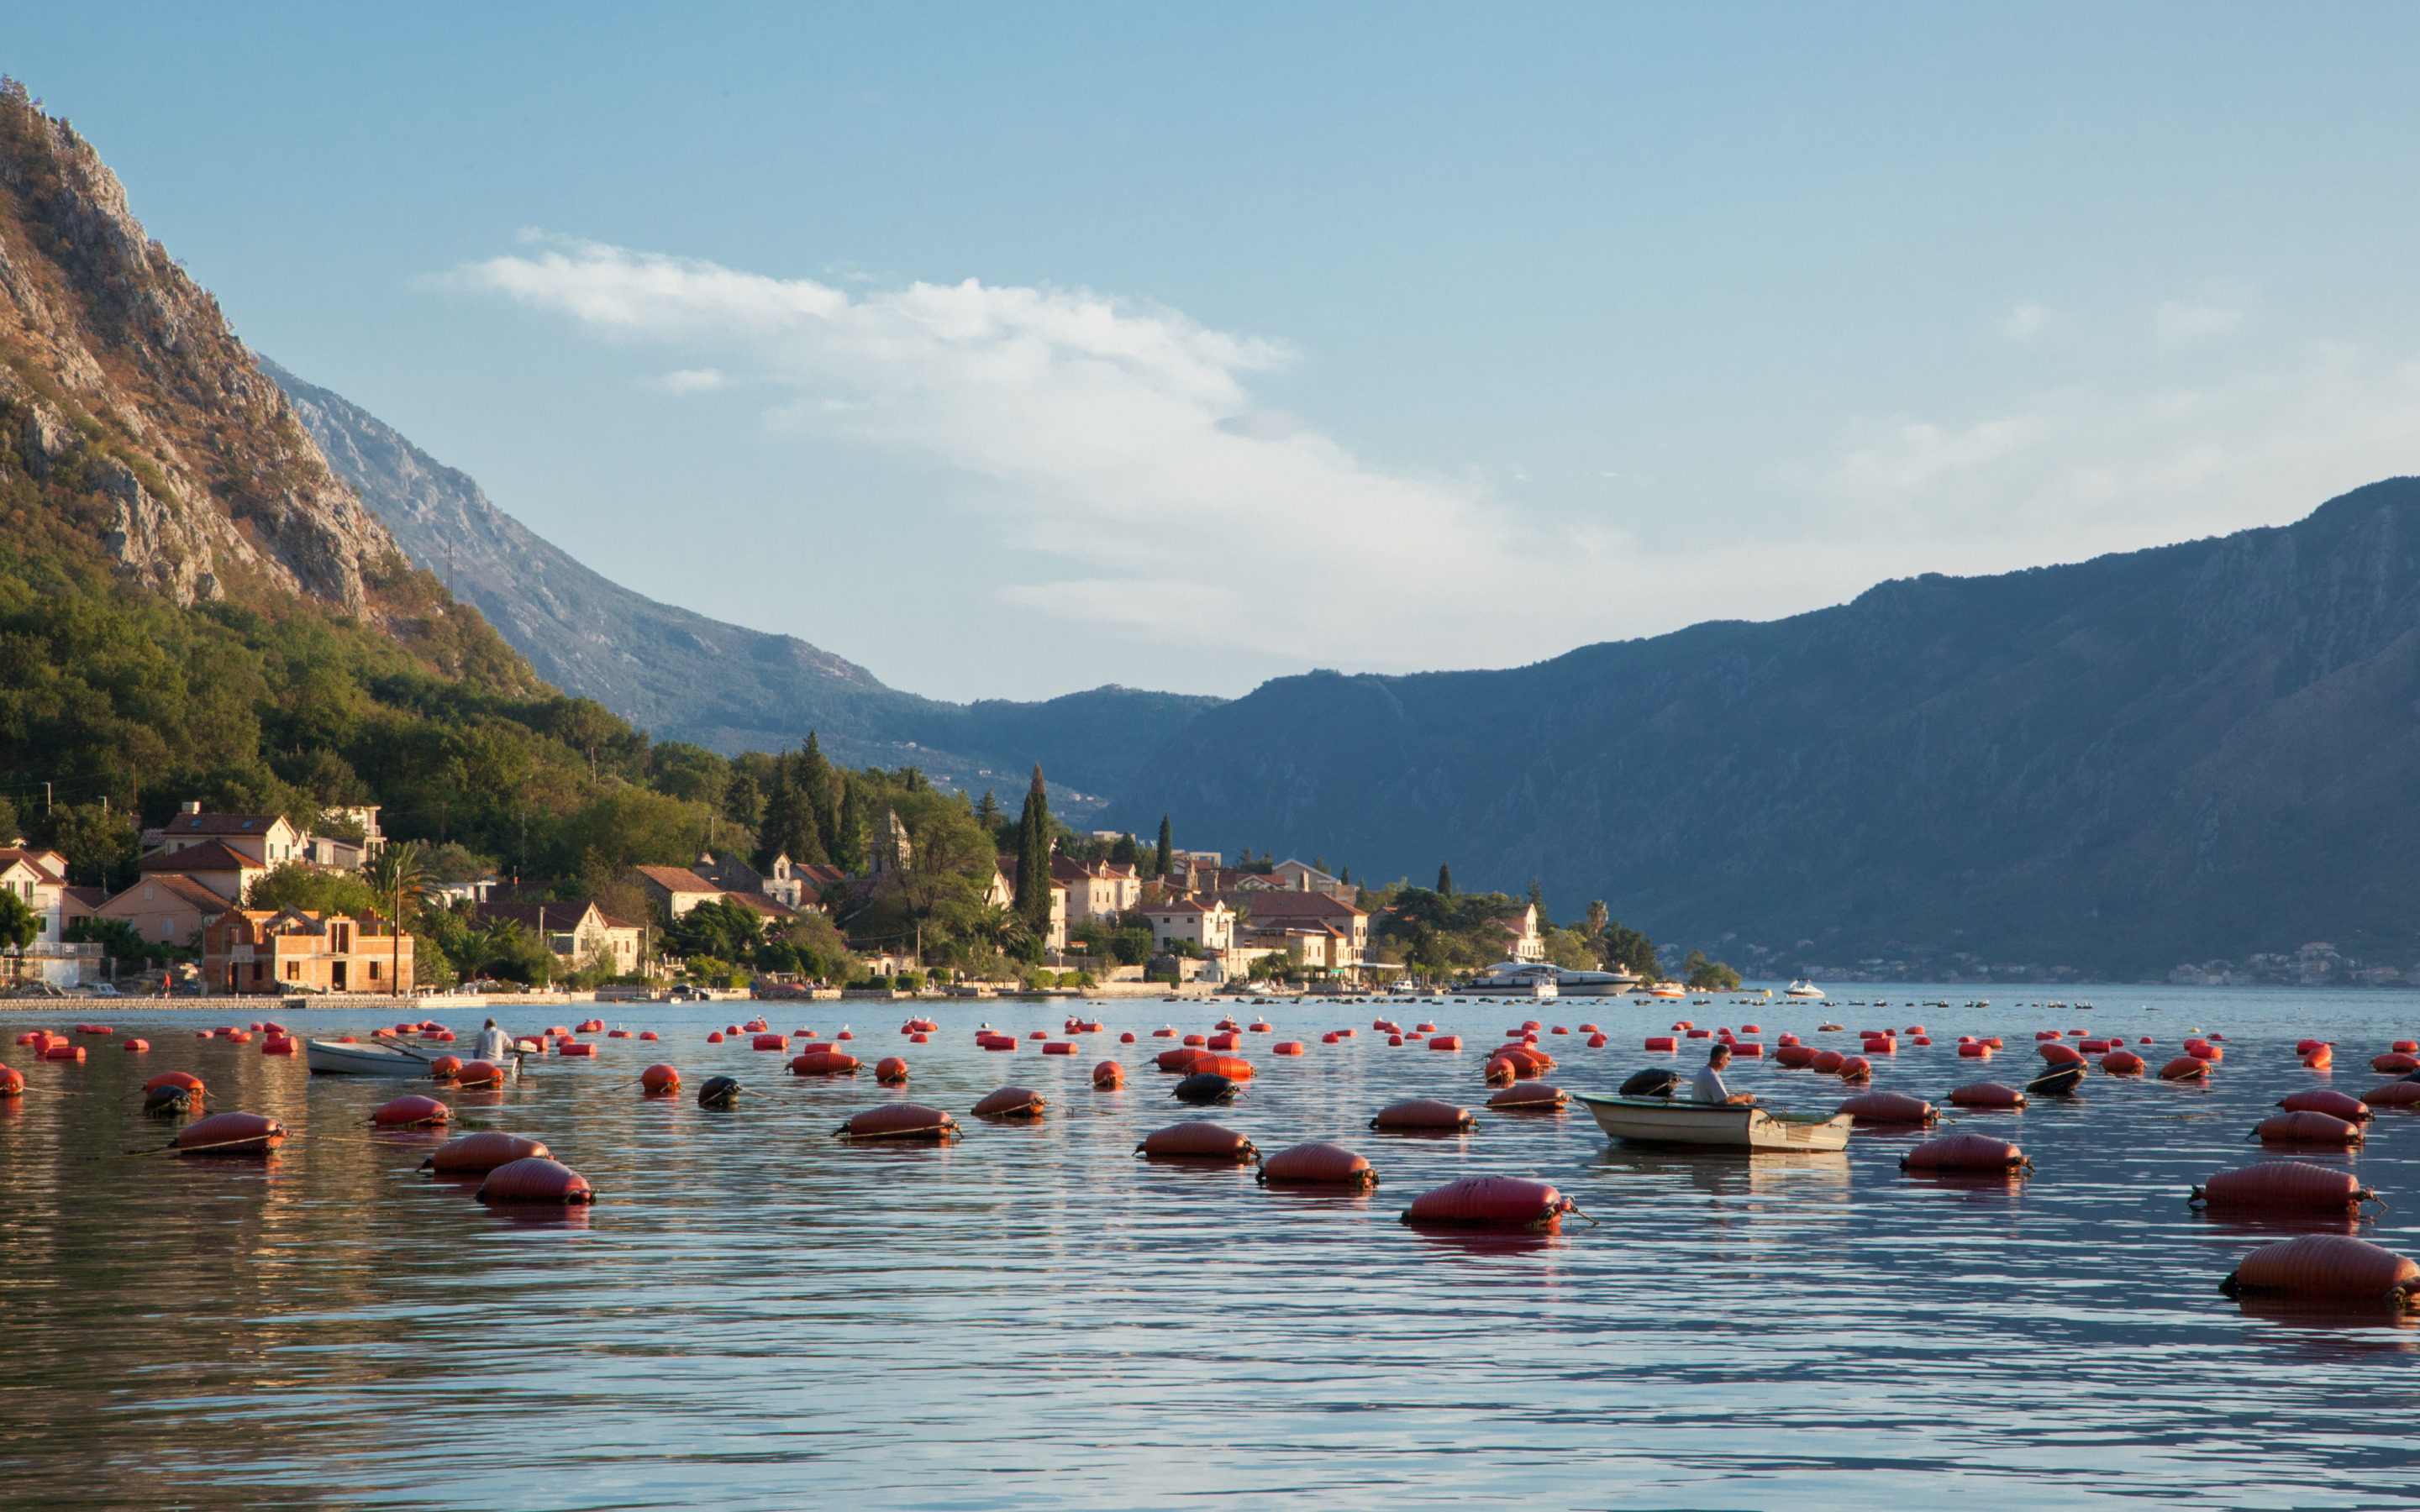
492, 1046
1709, 1087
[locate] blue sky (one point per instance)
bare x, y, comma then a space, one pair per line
1010, 351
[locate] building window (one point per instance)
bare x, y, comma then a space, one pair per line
374, 976
293, 970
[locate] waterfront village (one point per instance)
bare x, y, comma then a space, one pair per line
218, 905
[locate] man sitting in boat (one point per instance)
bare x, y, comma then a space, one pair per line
1709, 1087
493, 1046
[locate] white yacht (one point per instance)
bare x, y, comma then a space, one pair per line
1802, 988
1541, 978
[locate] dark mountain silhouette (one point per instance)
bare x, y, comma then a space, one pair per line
2204, 750
683, 676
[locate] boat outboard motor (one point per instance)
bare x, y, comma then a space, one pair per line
167, 1101
719, 1092
1656, 1082
2060, 1083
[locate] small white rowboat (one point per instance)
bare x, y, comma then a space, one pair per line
373, 1058
1724, 1125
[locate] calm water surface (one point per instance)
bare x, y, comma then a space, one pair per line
756, 1315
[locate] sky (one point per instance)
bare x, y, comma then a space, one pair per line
1010, 351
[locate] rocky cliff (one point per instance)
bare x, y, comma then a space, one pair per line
124, 382
2204, 750
684, 676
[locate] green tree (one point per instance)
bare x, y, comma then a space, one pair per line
847, 843
1538, 902
1597, 917
1445, 879
1708, 976
10, 831
724, 931
20, 926
743, 802
300, 886
98, 840
1033, 856
117, 938
1124, 852
1631, 950
822, 783
989, 811
1163, 860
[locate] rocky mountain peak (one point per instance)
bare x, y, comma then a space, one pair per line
124, 381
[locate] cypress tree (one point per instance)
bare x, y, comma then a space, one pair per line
1126, 852
1445, 878
780, 818
847, 846
1033, 856
1165, 859
821, 785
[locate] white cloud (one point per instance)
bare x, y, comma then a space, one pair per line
2025, 322
2092, 468
1120, 441
693, 380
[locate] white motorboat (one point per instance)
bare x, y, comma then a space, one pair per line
1724, 1125
1804, 989
1541, 978
376, 1058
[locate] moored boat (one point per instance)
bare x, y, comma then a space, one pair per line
1804, 989
334, 1057
1724, 1125
1545, 979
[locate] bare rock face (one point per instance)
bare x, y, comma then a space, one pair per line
125, 381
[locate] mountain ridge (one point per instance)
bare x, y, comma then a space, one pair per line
2112, 765
686, 676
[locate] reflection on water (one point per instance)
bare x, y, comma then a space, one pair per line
755, 1314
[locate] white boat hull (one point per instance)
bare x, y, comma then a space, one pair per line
1722, 1125
332, 1058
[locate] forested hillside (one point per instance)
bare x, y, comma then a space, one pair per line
2202, 750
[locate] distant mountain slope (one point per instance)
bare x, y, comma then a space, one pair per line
2204, 750
684, 676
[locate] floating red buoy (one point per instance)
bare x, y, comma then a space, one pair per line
1795, 1056
1127, 1038
444, 1067
660, 1081
12, 1081
1662, 1041
1889, 1107
1234, 1068
411, 1111
1177, 1059
1287, 1047
476, 1075
185, 1079
574, 1047
1107, 1075
2184, 1069
890, 1068
715, 1037
137, 1046
1321, 1165
1985, 1095
1196, 1141
231, 1133
2282, 1184
2326, 1265
2320, 1059
2055, 1054
2122, 1063
2334, 1104
2395, 1063
824, 1063
63, 1052
1854, 1069
536, 1178
2306, 1129
2393, 1095
1424, 1113
769, 1041
1490, 1202
1827, 1061
1011, 1102
1596, 1042
1528, 1097
900, 1120
1964, 1152
475, 1154
1059, 1048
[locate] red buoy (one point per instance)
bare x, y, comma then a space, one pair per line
1177, 1059
231, 1133
1662, 1041
2055, 1054
2395, 1063
1196, 1141
1317, 1165
660, 1081
890, 1068
900, 1120
475, 1154
1424, 1113
2306, 1129
1889, 1107
444, 1067
824, 1063
1287, 1047
1490, 1202
411, 1111
1011, 1102
2327, 1265
2334, 1104
1528, 1097
1234, 1068
476, 1075
1107, 1075
2394, 1095
2184, 1069
2284, 1183
1827, 1061
2122, 1063
536, 1178
1985, 1095
1796, 1057
137, 1046
185, 1079
1964, 1152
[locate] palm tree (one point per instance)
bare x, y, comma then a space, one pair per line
400, 883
